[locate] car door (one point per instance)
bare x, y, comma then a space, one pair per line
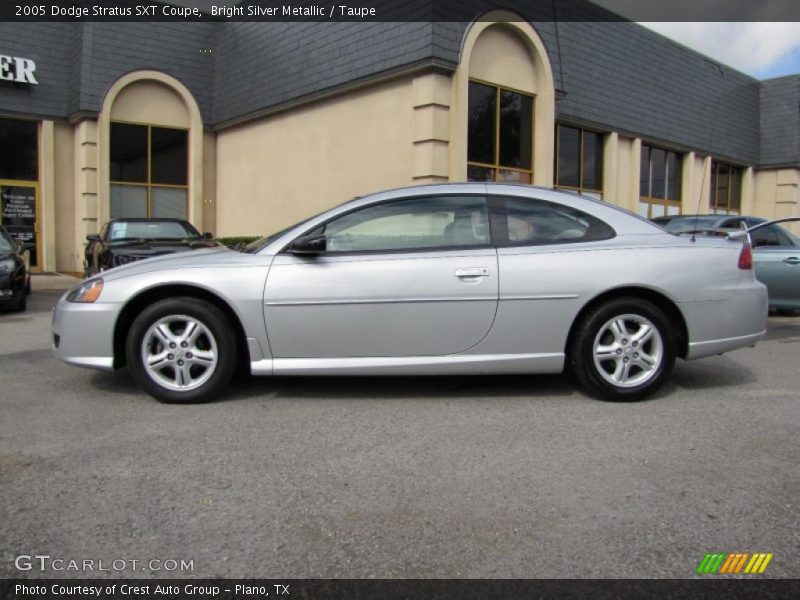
406, 277
776, 260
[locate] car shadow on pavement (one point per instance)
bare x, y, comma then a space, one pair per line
407, 387
686, 376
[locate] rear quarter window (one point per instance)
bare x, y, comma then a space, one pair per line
539, 222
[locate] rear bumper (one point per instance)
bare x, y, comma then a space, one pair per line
83, 334
721, 326
709, 347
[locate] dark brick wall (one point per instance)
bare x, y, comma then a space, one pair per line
621, 76
263, 64
780, 121
615, 75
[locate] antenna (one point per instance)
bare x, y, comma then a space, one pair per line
710, 139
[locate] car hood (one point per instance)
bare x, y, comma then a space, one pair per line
158, 246
209, 257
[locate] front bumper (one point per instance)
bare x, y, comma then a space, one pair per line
12, 288
83, 334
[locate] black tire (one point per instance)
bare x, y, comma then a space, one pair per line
599, 328
28, 285
218, 339
23, 302
786, 312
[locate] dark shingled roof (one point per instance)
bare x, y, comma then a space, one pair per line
615, 75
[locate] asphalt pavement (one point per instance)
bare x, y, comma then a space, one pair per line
396, 477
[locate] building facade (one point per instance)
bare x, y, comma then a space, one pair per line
247, 127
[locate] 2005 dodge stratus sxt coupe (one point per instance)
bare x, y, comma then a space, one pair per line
446, 279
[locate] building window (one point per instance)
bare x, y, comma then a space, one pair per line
19, 181
659, 182
726, 188
579, 160
149, 171
500, 134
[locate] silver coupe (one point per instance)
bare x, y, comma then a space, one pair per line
444, 279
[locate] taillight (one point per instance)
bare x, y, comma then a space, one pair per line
746, 257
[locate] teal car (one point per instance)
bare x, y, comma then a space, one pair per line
776, 259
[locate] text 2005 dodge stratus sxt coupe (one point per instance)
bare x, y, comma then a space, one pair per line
449, 279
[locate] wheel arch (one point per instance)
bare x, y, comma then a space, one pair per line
662, 301
136, 304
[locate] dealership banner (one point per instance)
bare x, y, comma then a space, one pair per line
393, 10
401, 589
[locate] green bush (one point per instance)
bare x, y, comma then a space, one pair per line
237, 242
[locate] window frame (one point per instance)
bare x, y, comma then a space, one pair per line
713, 188
286, 249
149, 185
581, 189
652, 200
497, 167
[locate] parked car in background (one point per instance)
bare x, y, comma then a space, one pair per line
776, 252
776, 259
123, 241
445, 279
15, 278
705, 223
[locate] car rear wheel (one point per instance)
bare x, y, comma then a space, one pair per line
182, 350
623, 350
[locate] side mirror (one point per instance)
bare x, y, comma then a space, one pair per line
93, 237
208, 235
308, 244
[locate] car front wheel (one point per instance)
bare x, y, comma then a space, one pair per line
623, 350
182, 350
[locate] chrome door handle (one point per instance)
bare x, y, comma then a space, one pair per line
472, 272
792, 260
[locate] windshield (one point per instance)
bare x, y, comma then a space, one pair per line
151, 230
6, 243
256, 246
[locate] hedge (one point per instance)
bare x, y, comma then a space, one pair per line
237, 242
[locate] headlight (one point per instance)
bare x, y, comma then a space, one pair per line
88, 291
6, 265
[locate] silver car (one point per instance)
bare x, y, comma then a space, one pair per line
444, 279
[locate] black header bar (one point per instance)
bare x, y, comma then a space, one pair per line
394, 10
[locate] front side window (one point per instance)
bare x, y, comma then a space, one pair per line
726, 188
149, 171
537, 222
500, 134
404, 225
659, 182
579, 160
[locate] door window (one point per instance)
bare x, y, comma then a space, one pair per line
413, 224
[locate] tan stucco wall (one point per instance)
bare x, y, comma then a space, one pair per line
280, 169
777, 195
621, 171
152, 103
65, 244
